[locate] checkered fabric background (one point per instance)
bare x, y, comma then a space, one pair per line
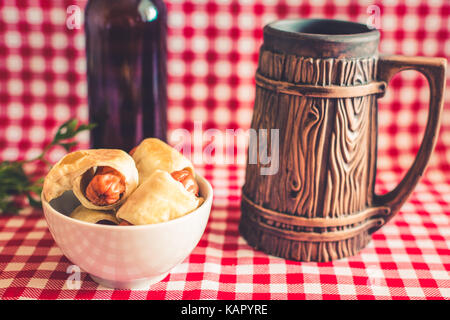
213, 52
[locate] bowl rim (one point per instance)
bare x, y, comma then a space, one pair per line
207, 202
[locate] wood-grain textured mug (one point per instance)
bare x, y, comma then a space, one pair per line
318, 82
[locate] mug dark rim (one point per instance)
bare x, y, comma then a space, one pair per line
367, 35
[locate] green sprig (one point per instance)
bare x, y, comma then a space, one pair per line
15, 182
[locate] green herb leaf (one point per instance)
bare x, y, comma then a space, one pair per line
34, 203
66, 131
14, 182
84, 127
68, 146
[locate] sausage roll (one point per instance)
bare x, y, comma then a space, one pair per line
94, 216
161, 197
152, 154
101, 179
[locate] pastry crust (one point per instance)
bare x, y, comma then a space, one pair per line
93, 216
158, 199
73, 171
152, 154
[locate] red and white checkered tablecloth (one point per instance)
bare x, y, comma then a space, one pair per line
213, 52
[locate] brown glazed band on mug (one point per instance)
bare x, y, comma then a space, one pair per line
318, 82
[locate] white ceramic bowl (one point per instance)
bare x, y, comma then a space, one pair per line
126, 257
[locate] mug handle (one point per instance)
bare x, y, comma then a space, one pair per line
434, 70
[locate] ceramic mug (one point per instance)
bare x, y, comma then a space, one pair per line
317, 83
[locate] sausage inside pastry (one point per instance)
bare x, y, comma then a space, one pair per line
161, 198
94, 216
152, 154
186, 177
106, 186
101, 179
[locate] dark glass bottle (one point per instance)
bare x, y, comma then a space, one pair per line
126, 43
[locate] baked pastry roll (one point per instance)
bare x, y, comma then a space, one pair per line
152, 154
94, 216
101, 179
158, 199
